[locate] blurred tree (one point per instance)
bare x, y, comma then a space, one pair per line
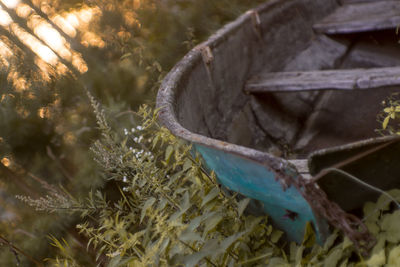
49, 52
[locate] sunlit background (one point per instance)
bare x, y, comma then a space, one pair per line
45, 125
47, 34
49, 52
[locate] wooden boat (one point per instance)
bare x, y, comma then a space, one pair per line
282, 103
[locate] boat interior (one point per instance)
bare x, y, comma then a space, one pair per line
331, 94
328, 94
306, 76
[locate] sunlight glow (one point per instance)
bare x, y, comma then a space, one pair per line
18, 81
85, 15
79, 63
73, 20
45, 69
64, 25
10, 3
92, 39
130, 18
23, 10
49, 35
5, 161
52, 38
136, 4
41, 50
23, 112
46, 41
44, 113
69, 138
5, 51
5, 19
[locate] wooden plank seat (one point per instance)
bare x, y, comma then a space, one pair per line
345, 79
361, 17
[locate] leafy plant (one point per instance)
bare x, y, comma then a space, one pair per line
169, 210
389, 117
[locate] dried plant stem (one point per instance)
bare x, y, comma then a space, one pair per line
16, 250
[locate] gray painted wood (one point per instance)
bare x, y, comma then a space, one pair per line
322, 53
327, 79
302, 167
367, 55
346, 2
361, 17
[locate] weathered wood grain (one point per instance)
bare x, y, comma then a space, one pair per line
302, 167
327, 79
346, 2
361, 17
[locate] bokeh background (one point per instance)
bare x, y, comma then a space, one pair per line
50, 53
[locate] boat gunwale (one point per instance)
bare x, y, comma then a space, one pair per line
166, 97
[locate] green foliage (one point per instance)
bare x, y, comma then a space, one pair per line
169, 210
390, 115
46, 127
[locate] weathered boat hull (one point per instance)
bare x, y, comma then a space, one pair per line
197, 84
256, 180
203, 101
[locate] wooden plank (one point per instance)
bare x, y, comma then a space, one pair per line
361, 17
302, 167
346, 2
326, 79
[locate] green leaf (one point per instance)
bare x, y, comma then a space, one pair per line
278, 262
330, 240
299, 255
346, 243
146, 206
210, 196
155, 141
394, 257
115, 261
212, 222
293, 251
209, 247
195, 223
229, 241
309, 236
388, 110
371, 212
189, 236
372, 227
377, 259
385, 122
383, 203
242, 205
333, 257
391, 227
168, 153
185, 205
127, 55
380, 244
187, 165
276, 235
